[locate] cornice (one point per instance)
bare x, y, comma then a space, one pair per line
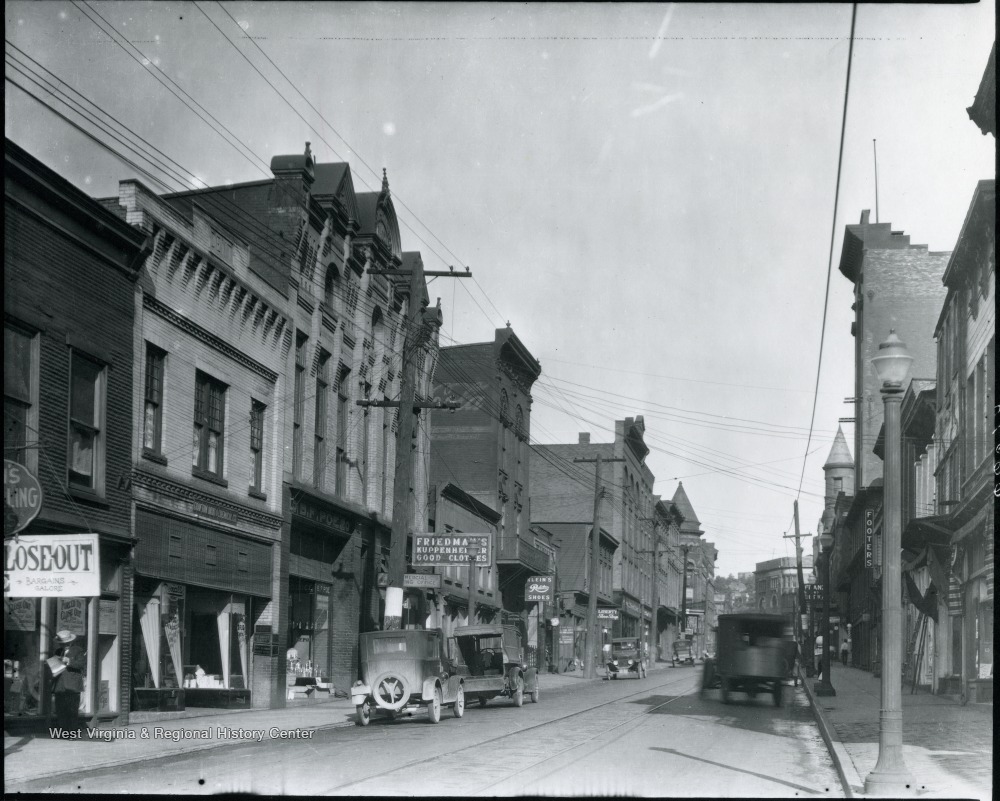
210, 339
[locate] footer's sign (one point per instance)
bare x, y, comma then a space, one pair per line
52, 565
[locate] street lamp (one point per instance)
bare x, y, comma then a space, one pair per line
473, 550
890, 775
824, 687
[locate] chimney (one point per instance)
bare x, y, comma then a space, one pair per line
584, 437
865, 216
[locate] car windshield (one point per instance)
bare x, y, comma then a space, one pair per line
394, 645
489, 642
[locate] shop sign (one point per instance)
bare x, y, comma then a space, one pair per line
214, 511
71, 614
429, 581
607, 613
540, 588
108, 617
52, 565
814, 592
22, 497
631, 606
869, 537
338, 524
449, 550
20, 614
566, 636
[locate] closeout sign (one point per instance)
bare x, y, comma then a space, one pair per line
53, 565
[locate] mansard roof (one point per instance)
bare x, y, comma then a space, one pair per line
691, 524
377, 217
840, 454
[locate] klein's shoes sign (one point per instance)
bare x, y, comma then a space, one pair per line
52, 565
540, 588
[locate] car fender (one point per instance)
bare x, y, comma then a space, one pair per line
359, 692
427, 692
530, 679
512, 674
451, 688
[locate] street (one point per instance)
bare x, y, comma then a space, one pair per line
649, 737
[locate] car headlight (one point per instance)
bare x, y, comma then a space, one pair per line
614, 662
631, 662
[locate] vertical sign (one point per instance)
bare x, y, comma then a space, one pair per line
540, 588
869, 537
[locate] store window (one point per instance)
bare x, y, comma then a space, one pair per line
21, 651
20, 407
308, 628
209, 427
158, 632
152, 432
86, 424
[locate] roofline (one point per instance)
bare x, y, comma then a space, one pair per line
456, 494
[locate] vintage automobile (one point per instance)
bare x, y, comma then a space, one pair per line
403, 671
755, 654
494, 664
683, 652
625, 657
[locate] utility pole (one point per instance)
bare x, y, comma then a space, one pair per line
420, 323
589, 659
684, 590
654, 601
801, 595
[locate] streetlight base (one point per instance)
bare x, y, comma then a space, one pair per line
824, 689
894, 783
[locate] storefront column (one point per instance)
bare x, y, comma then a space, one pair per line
93, 680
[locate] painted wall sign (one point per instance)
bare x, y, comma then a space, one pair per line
22, 497
869, 537
214, 511
540, 588
431, 581
52, 565
443, 550
322, 517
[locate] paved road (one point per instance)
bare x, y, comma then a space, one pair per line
652, 737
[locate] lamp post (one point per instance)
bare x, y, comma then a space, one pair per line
684, 591
824, 687
890, 775
473, 551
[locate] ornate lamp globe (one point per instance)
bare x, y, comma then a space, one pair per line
893, 361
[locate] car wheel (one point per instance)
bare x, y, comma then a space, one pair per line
483, 701
518, 691
534, 693
434, 707
459, 706
364, 711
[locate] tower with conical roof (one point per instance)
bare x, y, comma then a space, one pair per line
839, 470
691, 527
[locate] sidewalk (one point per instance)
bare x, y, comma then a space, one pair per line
29, 758
947, 748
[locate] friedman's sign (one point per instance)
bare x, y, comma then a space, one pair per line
52, 565
450, 550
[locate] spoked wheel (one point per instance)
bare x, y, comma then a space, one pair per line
434, 707
518, 691
458, 708
483, 701
364, 711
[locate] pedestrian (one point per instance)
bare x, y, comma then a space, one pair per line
844, 648
818, 655
68, 683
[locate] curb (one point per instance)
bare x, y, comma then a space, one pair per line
846, 771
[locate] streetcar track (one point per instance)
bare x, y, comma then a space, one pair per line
527, 729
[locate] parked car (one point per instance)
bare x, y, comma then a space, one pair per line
683, 652
494, 663
625, 658
755, 654
403, 671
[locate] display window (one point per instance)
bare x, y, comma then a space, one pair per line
308, 629
22, 677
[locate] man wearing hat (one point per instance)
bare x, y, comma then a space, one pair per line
68, 685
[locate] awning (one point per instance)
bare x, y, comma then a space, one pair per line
927, 604
921, 531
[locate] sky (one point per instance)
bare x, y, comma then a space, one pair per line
645, 192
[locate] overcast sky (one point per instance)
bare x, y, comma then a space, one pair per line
645, 192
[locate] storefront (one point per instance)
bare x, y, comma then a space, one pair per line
199, 594
30, 626
628, 624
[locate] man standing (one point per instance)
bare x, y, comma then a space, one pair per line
818, 655
844, 647
68, 683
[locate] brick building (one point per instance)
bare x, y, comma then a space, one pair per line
483, 447
897, 285
669, 575
70, 269
698, 576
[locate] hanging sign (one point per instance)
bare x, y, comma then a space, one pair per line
869, 537
450, 550
607, 613
22, 497
52, 565
540, 588
430, 581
